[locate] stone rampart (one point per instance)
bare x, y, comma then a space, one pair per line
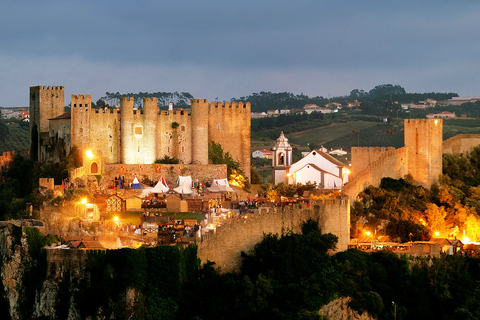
60, 261
76, 173
362, 157
170, 172
393, 164
225, 246
462, 143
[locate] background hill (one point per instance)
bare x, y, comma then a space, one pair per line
14, 136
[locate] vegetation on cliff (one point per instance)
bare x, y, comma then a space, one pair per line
405, 211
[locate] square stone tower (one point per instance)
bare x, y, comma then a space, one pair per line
424, 140
46, 102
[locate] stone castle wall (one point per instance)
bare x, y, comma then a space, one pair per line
421, 157
462, 143
227, 126
60, 261
202, 173
393, 164
361, 157
225, 247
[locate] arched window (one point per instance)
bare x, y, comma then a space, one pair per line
94, 168
281, 159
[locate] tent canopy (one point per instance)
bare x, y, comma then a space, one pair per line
136, 184
187, 179
183, 189
220, 182
220, 185
160, 187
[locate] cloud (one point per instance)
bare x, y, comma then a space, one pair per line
224, 49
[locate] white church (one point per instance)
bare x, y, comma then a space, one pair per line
316, 167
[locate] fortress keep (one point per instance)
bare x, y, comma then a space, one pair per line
136, 136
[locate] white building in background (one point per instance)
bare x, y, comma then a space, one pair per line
338, 152
263, 154
316, 167
444, 114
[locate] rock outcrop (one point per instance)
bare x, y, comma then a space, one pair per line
339, 310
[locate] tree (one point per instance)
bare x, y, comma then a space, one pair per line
385, 90
235, 174
435, 217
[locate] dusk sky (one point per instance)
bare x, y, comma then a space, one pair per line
228, 49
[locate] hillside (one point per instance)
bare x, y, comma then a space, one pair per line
14, 137
349, 131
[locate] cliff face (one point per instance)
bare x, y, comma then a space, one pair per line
339, 310
13, 259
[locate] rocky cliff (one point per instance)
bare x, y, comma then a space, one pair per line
14, 258
339, 310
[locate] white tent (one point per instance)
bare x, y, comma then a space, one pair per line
220, 182
183, 189
220, 185
187, 179
160, 187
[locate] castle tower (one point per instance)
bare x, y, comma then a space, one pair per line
80, 113
45, 103
150, 113
199, 131
424, 140
282, 159
126, 128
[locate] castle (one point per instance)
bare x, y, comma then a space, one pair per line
136, 136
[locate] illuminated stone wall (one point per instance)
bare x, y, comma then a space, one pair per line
421, 157
225, 246
201, 173
424, 140
229, 124
462, 143
361, 157
81, 108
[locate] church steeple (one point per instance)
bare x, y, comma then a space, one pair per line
282, 152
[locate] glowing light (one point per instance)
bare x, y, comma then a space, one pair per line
115, 218
466, 240
89, 154
368, 233
437, 233
84, 200
436, 121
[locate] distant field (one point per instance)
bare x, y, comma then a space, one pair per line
18, 138
367, 133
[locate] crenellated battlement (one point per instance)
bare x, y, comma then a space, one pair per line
126, 99
230, 105
107, 111
372, 149
199, 101
81, 97
242, 234
53, 88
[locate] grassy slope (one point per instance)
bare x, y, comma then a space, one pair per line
340, 134
18, 138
